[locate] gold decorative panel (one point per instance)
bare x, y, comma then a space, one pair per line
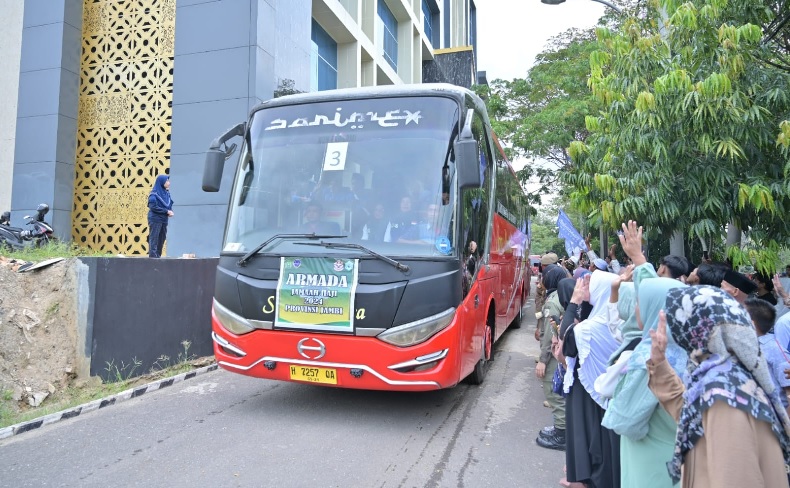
125, 110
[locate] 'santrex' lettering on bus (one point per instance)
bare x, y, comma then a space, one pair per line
390, 119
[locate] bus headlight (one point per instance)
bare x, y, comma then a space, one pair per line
231, 321
419, 330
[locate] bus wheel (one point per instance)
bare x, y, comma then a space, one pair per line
481, 368
516, 324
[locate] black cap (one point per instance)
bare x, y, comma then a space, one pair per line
740, 281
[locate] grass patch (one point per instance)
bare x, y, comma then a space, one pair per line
12, 413
53, 249
52, 310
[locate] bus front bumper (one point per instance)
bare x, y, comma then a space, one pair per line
340, 360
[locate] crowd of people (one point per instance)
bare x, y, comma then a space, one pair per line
662, 377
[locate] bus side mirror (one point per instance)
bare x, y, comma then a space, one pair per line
467, 156
215, 157
467, 163
212, 171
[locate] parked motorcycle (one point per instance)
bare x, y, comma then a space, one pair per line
15, 238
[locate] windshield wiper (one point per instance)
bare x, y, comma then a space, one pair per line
246, 257
342, 245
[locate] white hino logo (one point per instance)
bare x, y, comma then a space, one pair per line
311, 348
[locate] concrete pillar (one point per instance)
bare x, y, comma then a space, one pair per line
229, 56
46, 123
10, 53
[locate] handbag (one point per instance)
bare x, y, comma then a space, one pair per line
557, 380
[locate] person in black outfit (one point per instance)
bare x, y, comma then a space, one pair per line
375, 229
765, 288
160, 209
471, 261
592, 452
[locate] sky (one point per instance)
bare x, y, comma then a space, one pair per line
510, 33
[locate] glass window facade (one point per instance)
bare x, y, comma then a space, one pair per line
427, 20
323, 60
473, 28
390, 24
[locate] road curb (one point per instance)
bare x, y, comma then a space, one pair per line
69, 413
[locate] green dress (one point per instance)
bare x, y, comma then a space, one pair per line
643, 462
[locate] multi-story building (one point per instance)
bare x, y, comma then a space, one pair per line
112, 93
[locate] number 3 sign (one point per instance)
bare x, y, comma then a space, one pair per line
335, 159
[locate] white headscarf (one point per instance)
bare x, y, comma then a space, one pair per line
594, 342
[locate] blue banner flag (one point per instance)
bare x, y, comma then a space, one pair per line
574, 242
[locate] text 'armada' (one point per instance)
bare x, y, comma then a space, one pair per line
300, 279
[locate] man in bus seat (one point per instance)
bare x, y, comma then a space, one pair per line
471, 261
403, 220
425, 230
313, 224
377, 227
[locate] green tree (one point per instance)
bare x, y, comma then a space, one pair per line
538, 117
688, 137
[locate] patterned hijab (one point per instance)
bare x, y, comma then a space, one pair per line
706, 320
162, 194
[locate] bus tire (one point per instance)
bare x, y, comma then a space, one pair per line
517, 321
487, 354
516, 324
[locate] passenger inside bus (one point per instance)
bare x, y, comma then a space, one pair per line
376, 228
403, 219
314, 224
471, 261
424, 230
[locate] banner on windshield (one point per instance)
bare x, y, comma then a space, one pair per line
316, 294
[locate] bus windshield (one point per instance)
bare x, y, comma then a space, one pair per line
377, 172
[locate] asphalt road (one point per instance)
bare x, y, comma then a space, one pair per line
222, 429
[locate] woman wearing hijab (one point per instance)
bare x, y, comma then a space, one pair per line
160, 208
647, 431
592, 454
732, 429
552, 437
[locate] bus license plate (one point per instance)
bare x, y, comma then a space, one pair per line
314, 375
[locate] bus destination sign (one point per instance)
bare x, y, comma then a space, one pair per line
316, 294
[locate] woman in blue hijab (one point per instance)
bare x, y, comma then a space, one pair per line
160, 208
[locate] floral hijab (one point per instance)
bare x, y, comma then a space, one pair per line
706, 320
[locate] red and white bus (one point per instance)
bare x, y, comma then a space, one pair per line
347, 259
